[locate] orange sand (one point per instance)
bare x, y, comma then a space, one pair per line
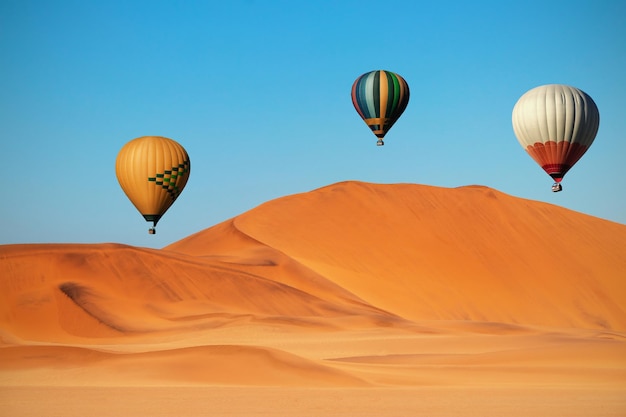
353, 299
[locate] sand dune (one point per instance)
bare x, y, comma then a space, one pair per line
424, 253
397, 290
217, 364
61, 291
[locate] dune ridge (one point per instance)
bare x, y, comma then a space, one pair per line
424, 253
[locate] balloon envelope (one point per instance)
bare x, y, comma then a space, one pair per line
152, 171
555, 124
380, 97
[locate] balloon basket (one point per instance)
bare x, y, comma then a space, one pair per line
152, 231
380, 142
556, 187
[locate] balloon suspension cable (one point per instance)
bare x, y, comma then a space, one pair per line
152, 230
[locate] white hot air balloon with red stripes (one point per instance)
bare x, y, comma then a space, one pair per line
556, 124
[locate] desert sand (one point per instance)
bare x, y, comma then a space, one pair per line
355, 299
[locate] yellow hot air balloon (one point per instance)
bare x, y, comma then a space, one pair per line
152, 171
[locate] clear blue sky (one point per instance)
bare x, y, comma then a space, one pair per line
258, 92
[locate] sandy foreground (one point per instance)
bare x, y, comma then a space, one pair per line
452, 306
454, 370
246, 401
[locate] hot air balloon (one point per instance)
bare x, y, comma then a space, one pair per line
556, 124
152, 171
380, 98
